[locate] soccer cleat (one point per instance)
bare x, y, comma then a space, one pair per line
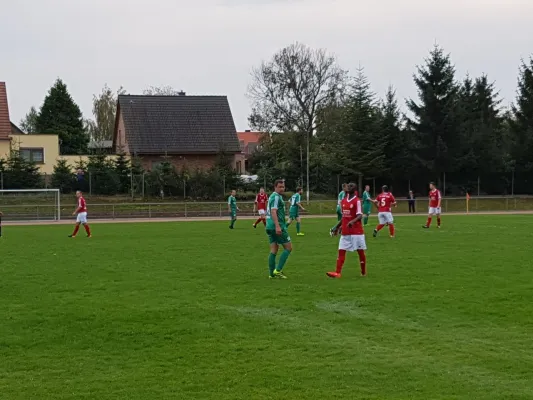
375, 234
254, 225
425, 226
300, 234
89, 236
392, 237
231, 227
280, 275
72, 236
333, 274
438, 226
331, 232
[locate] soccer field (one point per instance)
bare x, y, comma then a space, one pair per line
186, 311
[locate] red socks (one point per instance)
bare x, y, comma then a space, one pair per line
429, 221
87, 229
257, 222
362, 261
391, 229
340, 261
379, 227
76, 229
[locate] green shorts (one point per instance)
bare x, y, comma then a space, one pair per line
278, 239
233, 214
294, 212
367, 209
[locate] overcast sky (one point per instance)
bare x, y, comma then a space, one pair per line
210, 46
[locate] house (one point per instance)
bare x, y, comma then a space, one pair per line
190, 131
249, 141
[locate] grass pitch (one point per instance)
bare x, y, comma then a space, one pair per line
185, 311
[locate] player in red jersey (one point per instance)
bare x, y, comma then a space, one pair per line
81, 216
434, 205
384, 202
351, 229
260, 205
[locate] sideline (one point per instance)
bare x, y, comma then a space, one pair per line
72, 220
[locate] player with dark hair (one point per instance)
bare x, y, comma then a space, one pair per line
276, 229
351, 229
435, 199
81, 216
295, 205
384, 202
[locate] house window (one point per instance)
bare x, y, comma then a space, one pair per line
35, 155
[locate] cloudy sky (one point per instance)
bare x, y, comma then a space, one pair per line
210, 46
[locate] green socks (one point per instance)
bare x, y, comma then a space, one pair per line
232, 223
283, 259
365, 220
297, 227
271, 263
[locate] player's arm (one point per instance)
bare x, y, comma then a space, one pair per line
274, 212
394, 202
299, 204
229, 204
440, 199
77, 210
255, 204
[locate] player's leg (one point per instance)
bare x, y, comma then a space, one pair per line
345, 245
360, 245
430, 215
285, 241
258, 219
382, 221
233, 219
390, 222
438, 217
273, 253
299, 226
76, 229
366, 214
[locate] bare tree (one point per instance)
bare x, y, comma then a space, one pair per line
104, 110
289, 91
29, 123
161, 91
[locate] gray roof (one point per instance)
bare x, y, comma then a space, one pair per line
178, 124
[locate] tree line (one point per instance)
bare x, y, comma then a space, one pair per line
322, 120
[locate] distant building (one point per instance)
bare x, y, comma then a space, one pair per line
190, 131
249, 141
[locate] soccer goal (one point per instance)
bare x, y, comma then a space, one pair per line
30, 204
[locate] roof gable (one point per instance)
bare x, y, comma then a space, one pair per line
177, 124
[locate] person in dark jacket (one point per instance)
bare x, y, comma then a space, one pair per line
411, 200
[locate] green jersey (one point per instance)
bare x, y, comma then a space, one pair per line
366, 198
275, 202
341, 197
232, 202
295, 200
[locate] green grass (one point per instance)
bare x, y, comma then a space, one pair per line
185, 311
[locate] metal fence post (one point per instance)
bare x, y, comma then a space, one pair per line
445, 204
149, 211
185, 210
220, 210
113, 210
507, 204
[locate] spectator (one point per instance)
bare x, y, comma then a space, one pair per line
411, 200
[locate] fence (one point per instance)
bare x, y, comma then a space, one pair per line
38, 211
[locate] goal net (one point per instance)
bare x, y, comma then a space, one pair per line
30, 205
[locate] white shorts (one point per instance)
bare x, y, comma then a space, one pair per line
434, 210
385, 218
261, 212
352, 242
81, 218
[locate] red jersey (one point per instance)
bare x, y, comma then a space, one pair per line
351, 208
261, 200
434, 198
82, 205
385, 201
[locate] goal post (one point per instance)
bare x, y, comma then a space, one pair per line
31, 204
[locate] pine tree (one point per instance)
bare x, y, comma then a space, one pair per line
63, 178
59, 114
103, 178
21, 174
123, 171
521, 121
29, 123
365, 143
435, 119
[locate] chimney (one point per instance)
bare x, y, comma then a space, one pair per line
182, 93
5, 123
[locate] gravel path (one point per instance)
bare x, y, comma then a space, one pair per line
70, 221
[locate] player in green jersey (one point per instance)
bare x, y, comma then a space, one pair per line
367, 204
232, 208
340, 197
295, 205
276, 229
